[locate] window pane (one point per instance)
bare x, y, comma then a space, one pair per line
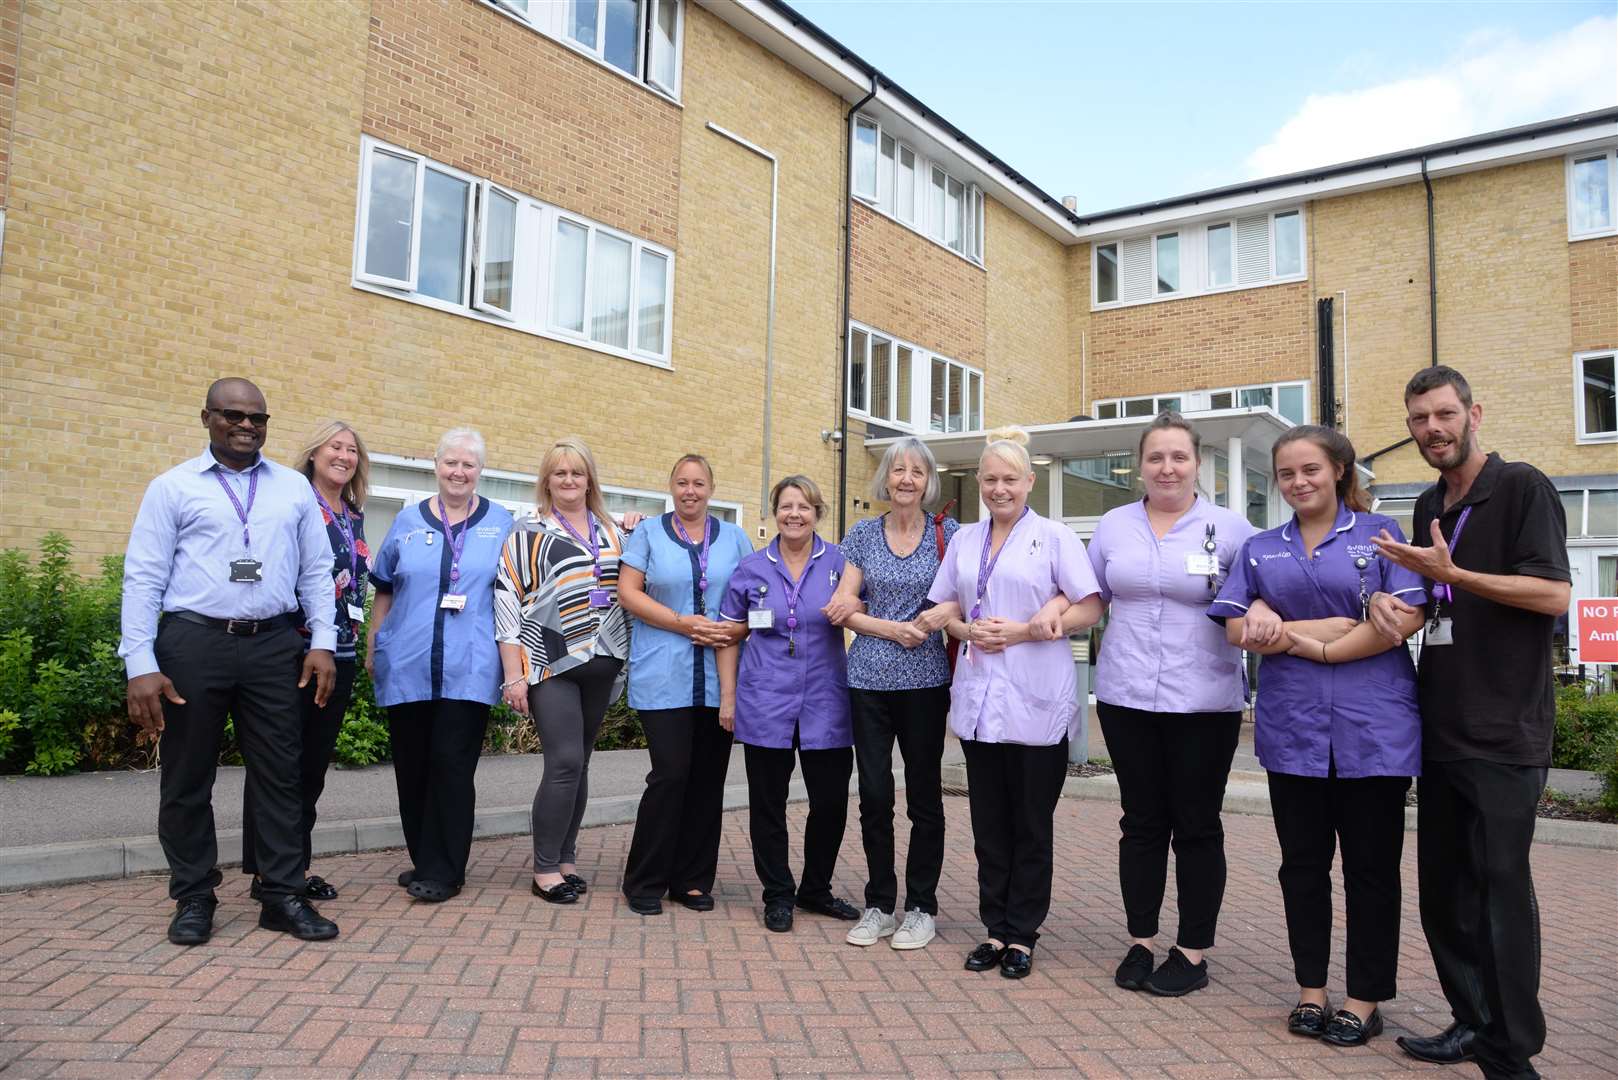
1258, 499
1573, 511
443, 238
1292, 404
609, 291
1600, 403
723, 513
1221, 480
935, 394
957, 419
1257, 395
1138, 407
858, 344
581, 21
1168, 263
1400, 510
953, 206
865, 157
620, 501
1288, 244
1603, 515
1592, 198
884, 176
623, 35
651, 302
1221, 260
1107, 410
881, 378
567, 281
1106, 273
974, 403
1168, 404
1093, 485
1040, 497
936, 226
1606, 571
665, 35
1222, 399
905, 185
391, 215
906, 359
499, 249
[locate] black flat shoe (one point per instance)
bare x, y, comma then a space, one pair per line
644, 905
778, 918
1451, 1046
296, 916
1178, 976
1307, 1019
1016, 964
432, 892
699, 902
318, 888
1136, 968
193, 921
580, 886
984, 957
833, 906
406, 877
1346, 1029
562, 892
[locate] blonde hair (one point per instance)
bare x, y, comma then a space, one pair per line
574, 447
359, 483
810, 489
1009, 444
693, 459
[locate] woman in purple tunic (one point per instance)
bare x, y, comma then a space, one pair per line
1337, 726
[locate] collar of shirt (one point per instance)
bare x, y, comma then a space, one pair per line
208, 461
1345, 521
773, 551
1482, 486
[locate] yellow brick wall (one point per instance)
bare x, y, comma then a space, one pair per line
1030, 358
1593, 293
1079, 334
906, 284
10, 24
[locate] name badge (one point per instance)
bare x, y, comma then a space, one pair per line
761, 619
452, 601
356, 613
246, 570
600, 598
1202, 565
1440, 632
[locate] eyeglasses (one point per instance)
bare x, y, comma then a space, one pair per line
234, 417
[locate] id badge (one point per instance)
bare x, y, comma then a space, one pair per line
1201, 565
600, 598
452, 601
246, 570
761, 618
356, 613
1439, 632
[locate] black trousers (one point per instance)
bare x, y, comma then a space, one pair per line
1366, 815
1013, 791
435, 760
320, 728
255, 680
825, 775
1475, 827
916, 718
1171, 769
676, 844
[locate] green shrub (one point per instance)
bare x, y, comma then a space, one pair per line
1586, 729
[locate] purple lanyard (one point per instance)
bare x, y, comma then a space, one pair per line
1442, 590
702, 557
457, 540
794, 588
986, 564
241, 512
595, 548
345, 526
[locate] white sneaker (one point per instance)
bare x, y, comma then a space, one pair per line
917, 931
873, 926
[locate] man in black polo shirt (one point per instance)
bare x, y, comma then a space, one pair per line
1491, 539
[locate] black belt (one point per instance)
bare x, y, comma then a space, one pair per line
241, 627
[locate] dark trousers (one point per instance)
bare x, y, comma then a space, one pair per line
255, 680
567, 709
1171, 769
1313, 814
1475, 827
825, 775
676, 844
1013, 791
916, 719
435, 760
320, 727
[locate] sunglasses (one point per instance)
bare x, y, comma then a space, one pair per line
234, 417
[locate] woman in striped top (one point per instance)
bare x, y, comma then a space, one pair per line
563, 642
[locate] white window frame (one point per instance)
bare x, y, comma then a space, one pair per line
1581, 434
549, 19
1611, 228
361, 238
856, 152
921, 368
883, 197
1196, 401
487, 189
1195, 266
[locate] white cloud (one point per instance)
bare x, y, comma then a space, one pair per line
1495, 80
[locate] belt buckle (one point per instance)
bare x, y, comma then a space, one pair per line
241, 627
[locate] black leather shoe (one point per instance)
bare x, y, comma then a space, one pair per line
778, 918
984, 957
406, 877
193, 920
1347, 1029
1308, 1019
1016, 964
1451, 1046
296, 916
561, 893
580, 886
645, 905
1178, 976
318, 888
833, 906
698, 902
1136, 968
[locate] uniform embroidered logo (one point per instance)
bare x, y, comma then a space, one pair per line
488, 532
1274, 555
1358, 551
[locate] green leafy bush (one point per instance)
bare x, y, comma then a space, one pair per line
1586, 729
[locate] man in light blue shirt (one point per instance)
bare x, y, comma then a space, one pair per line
227, 547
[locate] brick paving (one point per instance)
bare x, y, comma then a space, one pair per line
499, 982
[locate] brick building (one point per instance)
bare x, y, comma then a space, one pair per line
626, 219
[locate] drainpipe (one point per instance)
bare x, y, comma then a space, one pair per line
842, 329
1432, 303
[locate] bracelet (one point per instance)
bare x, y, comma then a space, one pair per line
513, 682
1323, 659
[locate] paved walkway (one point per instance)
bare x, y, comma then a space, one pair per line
498, 982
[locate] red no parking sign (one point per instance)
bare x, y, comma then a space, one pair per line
1598, 630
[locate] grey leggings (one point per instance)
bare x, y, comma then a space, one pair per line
568, 709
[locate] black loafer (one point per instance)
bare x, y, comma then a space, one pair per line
318, 888
1451, 1046
296, 916
193, 921
580, 886
432, 892
1136, 968
645, 905
562, 892
1307, 1019
832, 906
406, 877
1346, 1029
1178, 976
778, 918
1016, 964
697, 902
984, 957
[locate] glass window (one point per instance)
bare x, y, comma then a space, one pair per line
1221, 259
865, 157
620, 501
935, 394
651, 302
1138, 407
1288, 244
906, 358
443, 237
1603, 520
1039, 498
1106, 273
1599, 396
1168, 404
499, 249
881, 378
1221, 484
1573, 510
582, 16
1258, 499
957, 418
940, 182
609, 291
905, 185
1257, 395
622, 49
884, 174
858, 350
390, 216
1093, 485
665, 40
567, 276
954, 213
1221, 399
974, 402
1292, 404
1106, 410
1400, 510
1592, 195
1168, 263
1606, 572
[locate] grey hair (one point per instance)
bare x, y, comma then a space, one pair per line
912, 447
463, 436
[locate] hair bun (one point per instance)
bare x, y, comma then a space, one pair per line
1011, 434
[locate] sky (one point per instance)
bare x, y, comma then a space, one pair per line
1124, 103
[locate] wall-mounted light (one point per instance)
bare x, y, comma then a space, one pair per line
1041, 459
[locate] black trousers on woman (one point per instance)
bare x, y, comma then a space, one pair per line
1013, 791
825, 775
435, 759
1171, 769
320, 728
1366, 815
676, 844
916, 719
